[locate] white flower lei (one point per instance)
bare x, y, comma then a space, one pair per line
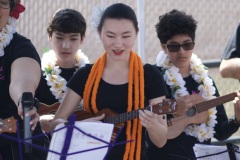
6, 34
174, 79
52, 72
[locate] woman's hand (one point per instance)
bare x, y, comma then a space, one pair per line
148, 119
94, 119
45, 121
57, 122
61, 120
32, 113
156, 126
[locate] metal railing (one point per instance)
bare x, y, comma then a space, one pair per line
212, 63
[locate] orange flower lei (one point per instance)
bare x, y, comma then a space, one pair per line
136, 80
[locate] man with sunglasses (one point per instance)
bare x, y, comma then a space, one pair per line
187, 81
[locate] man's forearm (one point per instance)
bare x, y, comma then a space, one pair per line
230, 68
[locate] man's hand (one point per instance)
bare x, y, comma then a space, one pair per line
236, 103
186, 102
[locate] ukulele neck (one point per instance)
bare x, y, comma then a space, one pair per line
120, 118
165, 107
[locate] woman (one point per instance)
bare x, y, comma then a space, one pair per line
121, 82
19, 73
66, 33
187, 77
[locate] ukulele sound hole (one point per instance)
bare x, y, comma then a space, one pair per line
191, 112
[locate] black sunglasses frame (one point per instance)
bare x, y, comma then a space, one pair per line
176, 47
10, 4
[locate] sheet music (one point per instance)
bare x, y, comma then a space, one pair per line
82, 142
203, 149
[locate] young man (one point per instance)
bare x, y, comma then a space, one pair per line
66, 33
186, 77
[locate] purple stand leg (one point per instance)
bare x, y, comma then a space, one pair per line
68, 137
70, 127
110, 145
19, 141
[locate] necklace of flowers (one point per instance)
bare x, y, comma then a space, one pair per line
175, 80
6, 34
52, 72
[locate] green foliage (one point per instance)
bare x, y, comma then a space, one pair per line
48, 70
45, 50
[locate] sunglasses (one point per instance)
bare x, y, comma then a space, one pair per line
5, 4
176, 47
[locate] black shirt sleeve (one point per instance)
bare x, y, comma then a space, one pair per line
155, 85
232, 49
79, 79
21, 47
224, 127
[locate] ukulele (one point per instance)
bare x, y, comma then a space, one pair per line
48, 109
180, 123
8, 125
165, 107
51, 109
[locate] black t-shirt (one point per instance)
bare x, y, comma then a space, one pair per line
44, 94
18, 47
114, 97
182, 146
232, 49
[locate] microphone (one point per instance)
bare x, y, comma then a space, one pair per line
27, 103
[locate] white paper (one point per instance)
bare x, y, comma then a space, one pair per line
81, 142
203, 149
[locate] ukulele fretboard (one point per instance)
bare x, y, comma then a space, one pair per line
203, 106
124, 117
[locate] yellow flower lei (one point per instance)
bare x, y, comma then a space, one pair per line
52, 72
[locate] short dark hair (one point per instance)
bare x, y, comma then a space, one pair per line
67, 21
119, 11
173, 23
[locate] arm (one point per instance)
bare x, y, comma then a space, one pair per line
223, 122
25, 77
156, 125
230, 125
230, 68
67, 107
